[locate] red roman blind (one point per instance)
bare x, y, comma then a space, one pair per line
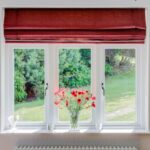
75, 25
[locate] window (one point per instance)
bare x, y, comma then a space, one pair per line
75, 72
124, 86
29, 84
114, 73
120, 85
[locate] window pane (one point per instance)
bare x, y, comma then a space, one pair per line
29, 84
120, 85
75, 73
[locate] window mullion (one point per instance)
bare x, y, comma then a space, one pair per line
56, 55
50, 79
141, 87
9, 92
2, 68
93, 79
10, 95
99, 80
138, 85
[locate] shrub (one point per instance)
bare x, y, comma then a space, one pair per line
108, 70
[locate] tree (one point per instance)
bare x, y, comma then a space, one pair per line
118, 59
29, 74
34, 70
74, 71
20, 93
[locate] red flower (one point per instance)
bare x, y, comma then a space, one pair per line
56, 93
79, 101
93, 104
57, 102
81, 97
74, 93
84, 92
93, 98
87, 98
67, 103
79, 93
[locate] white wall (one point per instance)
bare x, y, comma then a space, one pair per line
8, 141
75, 3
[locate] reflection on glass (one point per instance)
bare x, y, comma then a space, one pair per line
75, 73
29, 84
120, 85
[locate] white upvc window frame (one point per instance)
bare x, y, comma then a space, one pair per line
142, 86
9, 80
82, 124
98, 53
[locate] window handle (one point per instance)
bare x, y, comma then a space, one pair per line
46, 88
103, 88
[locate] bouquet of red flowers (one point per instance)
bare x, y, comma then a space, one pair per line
74, 100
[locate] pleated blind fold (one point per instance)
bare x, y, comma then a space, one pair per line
75, 25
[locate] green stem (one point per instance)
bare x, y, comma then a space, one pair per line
74, 119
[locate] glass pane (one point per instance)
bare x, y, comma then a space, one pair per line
75, 73
120, 85
29, 84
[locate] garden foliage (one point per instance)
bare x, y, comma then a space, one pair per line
74, 69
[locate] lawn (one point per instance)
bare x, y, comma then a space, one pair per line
120, 97
34, 111
84, 115
30, 111
128, 117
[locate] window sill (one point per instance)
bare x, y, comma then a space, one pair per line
67, 131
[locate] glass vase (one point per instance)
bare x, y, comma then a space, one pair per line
74, 116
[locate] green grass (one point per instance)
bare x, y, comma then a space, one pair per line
121, 85
123, 102
30, 111
34, 111
127, 117
120, 94
83, 116
29, 104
